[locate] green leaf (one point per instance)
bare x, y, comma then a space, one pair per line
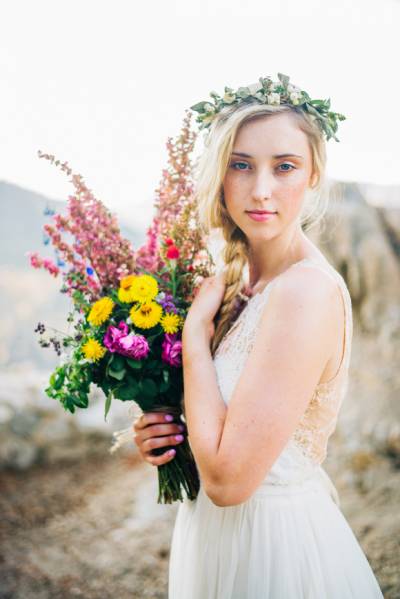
199, 106
126, 392
117, 374
107, 405
135, 364
164, 386
284, 79
117, 361
81, 401
148, 388
243, 92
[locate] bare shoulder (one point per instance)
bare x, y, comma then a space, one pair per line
306, 282
303, 292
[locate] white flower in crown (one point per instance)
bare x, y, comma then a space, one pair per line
208, 107
274, 98
292, 88
228, 98
295, 97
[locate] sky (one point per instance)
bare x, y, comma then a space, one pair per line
103, 85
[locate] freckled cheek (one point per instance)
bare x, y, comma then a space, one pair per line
291, 198
235, 197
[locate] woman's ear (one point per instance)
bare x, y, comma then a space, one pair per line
313, 180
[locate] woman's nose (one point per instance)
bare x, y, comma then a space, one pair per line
263, 185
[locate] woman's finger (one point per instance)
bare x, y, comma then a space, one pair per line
155, 442
151, 418
160, 459
159, 430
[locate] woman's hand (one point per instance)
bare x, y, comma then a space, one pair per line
206, 303
151, 431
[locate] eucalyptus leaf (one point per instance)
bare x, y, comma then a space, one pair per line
164, 386
117, 374
107, 405
149, 388
125, 392
284, 79
199, 107
117, 361
135, 364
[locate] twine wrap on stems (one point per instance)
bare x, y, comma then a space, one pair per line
125, 435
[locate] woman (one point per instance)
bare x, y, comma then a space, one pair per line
262, 394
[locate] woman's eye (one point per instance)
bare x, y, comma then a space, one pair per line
289, 169
236, 163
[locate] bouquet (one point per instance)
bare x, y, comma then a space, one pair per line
128, 307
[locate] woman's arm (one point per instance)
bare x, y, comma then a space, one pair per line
235, 446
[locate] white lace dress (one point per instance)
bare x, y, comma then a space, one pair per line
289, 540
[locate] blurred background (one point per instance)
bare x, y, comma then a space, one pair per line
103, 86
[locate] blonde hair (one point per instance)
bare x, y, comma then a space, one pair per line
209, 175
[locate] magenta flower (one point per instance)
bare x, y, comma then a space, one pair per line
113, 336
119, 340
134, 346
172, 350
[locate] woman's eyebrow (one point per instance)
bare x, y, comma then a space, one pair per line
244, 155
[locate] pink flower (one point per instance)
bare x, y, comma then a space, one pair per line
172, 350
50, 267
119, 340
35, 259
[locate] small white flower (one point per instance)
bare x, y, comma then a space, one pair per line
274, 98
228, 98
292, 88
295, 97
208, 107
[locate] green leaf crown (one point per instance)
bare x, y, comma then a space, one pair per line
267, 91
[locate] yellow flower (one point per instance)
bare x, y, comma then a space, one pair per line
170, 322
100, 311
147, 315
93, 350
124, 291
138, 288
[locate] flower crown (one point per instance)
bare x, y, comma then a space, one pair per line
272, 93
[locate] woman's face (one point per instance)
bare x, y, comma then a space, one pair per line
269, 169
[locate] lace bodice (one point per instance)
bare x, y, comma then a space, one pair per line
307, 446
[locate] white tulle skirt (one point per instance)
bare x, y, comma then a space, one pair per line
285, 542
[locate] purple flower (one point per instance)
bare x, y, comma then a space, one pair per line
172, 350
168, 304
119, 340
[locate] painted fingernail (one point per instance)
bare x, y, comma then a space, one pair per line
179, 437
169, 418
181, 427
172, 452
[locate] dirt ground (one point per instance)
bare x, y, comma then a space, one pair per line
93, 529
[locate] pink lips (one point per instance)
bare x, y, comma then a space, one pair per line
261, 215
